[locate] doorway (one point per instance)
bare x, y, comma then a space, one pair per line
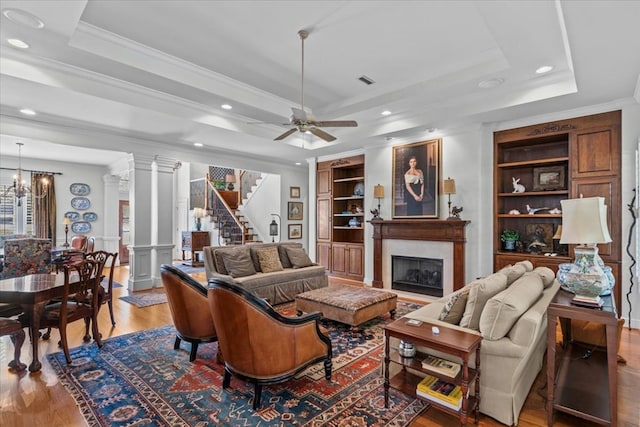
123, 231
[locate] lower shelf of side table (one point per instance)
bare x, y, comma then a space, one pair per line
582, 385
407, 382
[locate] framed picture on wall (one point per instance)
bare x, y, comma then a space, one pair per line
294, 192
295, 231
416, 179
294, 211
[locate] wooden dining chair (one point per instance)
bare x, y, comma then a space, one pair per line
80, 305
106, 260
13, 328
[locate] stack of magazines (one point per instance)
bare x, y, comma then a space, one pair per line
441, 366
439, 391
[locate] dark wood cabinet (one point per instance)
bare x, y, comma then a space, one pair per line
340, 216
194, 242
583, 154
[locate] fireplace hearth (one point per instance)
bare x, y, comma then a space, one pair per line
418, 275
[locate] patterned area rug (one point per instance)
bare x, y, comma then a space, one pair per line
138, 379
187, 269
145, 299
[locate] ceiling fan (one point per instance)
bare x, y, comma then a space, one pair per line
304, 121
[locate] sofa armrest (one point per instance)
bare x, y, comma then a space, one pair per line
214, 275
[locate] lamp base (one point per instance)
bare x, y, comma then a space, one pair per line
586, 276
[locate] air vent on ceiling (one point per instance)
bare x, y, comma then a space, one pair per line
366, 80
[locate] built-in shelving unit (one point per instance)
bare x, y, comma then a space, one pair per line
341, 216
556, 161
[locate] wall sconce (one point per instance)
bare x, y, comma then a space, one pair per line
449, 188
230, 179
273, 228
67, 221
378, 193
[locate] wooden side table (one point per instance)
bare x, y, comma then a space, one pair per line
194, 242
586, 382
459, 344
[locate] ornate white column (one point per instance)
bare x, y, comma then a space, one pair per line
111, 238
162, 216
140, 211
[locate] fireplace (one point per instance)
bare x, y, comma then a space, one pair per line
418, 275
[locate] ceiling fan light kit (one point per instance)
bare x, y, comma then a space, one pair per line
304, 121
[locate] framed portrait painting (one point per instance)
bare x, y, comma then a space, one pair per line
416, 179
294, 211
295, 231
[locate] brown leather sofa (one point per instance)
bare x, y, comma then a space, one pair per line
258, 344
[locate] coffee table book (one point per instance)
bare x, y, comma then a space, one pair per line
444, 392
444, 403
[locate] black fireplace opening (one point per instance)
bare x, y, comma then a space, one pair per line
419, 275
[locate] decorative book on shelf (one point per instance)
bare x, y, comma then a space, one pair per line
441, 366
442, 392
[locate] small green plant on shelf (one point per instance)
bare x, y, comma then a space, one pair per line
509, 237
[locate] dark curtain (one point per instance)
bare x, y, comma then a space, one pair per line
44, 208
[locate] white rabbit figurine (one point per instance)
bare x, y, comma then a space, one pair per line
517, 188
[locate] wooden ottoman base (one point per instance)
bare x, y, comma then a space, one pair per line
347, 304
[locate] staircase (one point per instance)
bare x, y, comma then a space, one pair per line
233, 228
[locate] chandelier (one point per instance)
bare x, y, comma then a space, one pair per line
19, 187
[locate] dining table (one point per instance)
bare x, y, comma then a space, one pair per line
33, 292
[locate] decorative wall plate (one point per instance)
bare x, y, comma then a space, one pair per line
89, 216
81, 227
78, 189
80, 203
73, 216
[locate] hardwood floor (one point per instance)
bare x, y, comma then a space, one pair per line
39, 399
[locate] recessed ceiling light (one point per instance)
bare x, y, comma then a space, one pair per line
386, 113
197, 144
28, 112
489, 83
23, 18
226, 107
298, 163
18, 43
544, 69
431, 130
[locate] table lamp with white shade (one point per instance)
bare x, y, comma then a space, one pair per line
584, 223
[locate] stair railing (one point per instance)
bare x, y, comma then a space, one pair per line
223, 213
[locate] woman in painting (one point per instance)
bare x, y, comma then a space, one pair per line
414, 183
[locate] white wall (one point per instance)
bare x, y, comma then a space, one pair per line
71, 173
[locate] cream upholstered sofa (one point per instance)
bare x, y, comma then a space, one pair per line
276, 272
509, 310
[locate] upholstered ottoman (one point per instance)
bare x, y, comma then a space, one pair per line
352, 305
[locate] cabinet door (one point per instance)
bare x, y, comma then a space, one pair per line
324, 182
323, 255
339, 260
595, 152
355, 259
324, 219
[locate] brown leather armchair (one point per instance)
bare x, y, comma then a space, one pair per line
258, 344
189, 309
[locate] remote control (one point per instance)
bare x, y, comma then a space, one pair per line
435, 330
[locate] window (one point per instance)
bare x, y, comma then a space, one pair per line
14, 219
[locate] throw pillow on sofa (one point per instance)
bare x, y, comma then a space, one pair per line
479, 293
454, 307
513, 272
269, 259
503, 310
298, 257
238, 264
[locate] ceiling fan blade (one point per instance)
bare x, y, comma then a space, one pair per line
286, 134
322, 134
337, 124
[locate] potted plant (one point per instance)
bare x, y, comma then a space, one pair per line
509, 237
